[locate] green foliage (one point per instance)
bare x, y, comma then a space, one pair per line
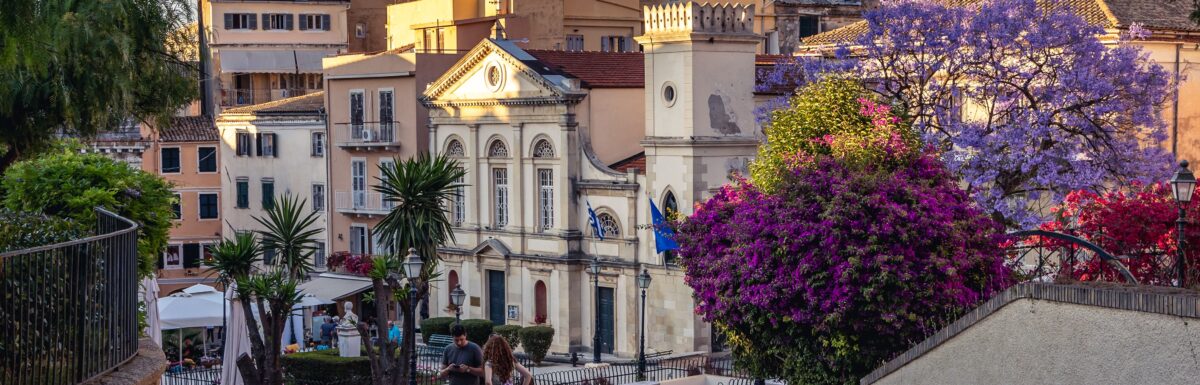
833, 116
72, 185
536, 340
478, 330
234, 258
290, 231
418, 187
510, 333
435, 325
21, 230
80, 67
326, 366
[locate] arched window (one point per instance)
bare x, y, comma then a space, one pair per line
671, 210
610, 226
455, 148
539, 303
543, 149
497, 150
452, 281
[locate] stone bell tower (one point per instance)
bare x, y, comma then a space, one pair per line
700, 130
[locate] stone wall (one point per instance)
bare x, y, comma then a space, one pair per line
1054, 334
145, 368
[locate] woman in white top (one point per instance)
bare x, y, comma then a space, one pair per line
499, 363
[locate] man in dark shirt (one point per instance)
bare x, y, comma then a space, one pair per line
462, 360
327, 331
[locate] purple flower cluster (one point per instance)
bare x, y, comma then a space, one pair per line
848, 264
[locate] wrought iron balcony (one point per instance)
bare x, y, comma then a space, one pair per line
361, 202
367, 136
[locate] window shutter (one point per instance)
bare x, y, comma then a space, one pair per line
604, 44
303, 22
274, 145
161, 257
266, 21
191, 255
287, 20
253, 21
228, 21
325, 22
258, 144
629, 44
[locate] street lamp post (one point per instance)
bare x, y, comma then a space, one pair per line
412, 268
1183, 184
457, 296
643, 282
595, 268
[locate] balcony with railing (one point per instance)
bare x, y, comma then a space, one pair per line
234, 97
361, 203
367, 136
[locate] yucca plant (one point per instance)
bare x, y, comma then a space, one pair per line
418, 187
288, 229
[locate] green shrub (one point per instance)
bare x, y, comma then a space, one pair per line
435, 325
536, 340
326, 366
478, 330
24, 230
510, 333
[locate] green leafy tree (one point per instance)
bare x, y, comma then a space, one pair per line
79, 67
289, 230
71, 185
418, 187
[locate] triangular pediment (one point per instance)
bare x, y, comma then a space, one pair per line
491, 247
496, 72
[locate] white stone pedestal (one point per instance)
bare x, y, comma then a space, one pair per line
349, 342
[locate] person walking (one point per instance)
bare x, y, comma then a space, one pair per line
327, 331
500, 364
462, 360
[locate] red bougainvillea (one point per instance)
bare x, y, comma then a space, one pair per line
346, 262
1137, 222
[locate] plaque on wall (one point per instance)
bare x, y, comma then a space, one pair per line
475, 301
514, 312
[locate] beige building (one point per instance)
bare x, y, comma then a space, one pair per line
269, 150
270, 50
186, 154
785, 22
1174, 44
543, 135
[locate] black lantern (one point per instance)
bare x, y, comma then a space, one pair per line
413, 265
595, 268
412, 268
643, 282
1183, 184
457, 296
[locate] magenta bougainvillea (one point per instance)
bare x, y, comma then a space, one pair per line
346, 262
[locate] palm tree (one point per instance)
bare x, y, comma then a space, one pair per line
419, 188
287, 230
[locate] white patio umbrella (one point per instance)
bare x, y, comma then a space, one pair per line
149, 290
186, 310
237, 340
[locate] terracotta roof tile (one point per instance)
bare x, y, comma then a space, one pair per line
190, 129
597, 69
296, 104
1153, 14
638, 161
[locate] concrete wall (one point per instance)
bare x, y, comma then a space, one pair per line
1042, 342
616, 126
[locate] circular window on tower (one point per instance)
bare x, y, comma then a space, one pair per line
668, 93
494, 74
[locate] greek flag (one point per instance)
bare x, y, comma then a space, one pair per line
599, 231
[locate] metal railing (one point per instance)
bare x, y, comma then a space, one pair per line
69, 311
361, 202
199, 376
245, 96
366, 134
656, 370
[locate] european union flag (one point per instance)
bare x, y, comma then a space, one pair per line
599, 231
664, 237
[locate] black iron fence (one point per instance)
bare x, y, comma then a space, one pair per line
68, 312
656, 370
208, 376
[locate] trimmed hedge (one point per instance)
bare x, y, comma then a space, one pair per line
325, 366
478, 330
435, 325
510, 333
536, 340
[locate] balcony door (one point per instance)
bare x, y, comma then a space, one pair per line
358, 182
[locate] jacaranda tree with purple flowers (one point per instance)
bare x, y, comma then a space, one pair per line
1025, 103
863, 246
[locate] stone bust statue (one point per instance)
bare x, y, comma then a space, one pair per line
350, 320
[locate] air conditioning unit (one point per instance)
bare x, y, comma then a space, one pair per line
367, 135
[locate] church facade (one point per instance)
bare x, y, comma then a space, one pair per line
546, 135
